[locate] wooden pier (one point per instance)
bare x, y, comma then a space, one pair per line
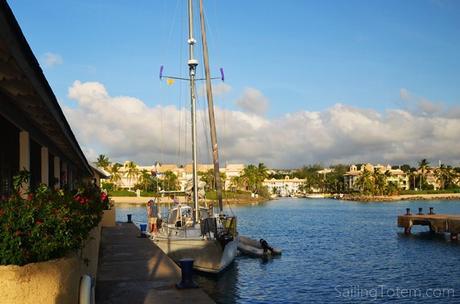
438, 223
134, 270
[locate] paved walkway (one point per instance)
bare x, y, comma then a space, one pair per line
134, 270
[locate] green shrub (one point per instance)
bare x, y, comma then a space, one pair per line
47, 224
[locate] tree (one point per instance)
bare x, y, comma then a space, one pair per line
209, 179
253, 177
445, 176
312, 179
365, 183
115, 175
380, 181
145, 179
170, 182
103, 161
237, 182
334, 182
131, 172
423, 166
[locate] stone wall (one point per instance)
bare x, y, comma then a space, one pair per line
55, 281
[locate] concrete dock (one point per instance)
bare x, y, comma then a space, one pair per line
135, 270
438, 223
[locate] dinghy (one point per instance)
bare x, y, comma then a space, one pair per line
258, 249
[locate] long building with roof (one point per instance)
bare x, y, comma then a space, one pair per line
35, 135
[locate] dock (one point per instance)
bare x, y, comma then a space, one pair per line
134, 270
438, 223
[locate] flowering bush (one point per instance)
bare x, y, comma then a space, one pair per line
47, 224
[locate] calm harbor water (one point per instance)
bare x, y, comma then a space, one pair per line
337, 252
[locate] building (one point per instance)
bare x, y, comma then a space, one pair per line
35, 135
284, 187
183, 173
397, 176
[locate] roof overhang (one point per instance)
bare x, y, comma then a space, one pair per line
26, 98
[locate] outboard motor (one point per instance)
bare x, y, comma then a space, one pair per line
265, 246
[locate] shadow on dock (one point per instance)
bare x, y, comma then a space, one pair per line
134, 270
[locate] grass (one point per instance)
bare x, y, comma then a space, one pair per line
212, 195
121, 193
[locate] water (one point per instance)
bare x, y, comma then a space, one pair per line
337, 252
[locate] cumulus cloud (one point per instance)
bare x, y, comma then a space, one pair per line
253, 101
126, 128
421, 105
51, 59
218, 89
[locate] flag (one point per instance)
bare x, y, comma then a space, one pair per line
169, 81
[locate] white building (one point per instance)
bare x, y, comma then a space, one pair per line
183, 173
396, 176
284, 187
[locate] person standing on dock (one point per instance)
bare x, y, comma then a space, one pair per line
152, 214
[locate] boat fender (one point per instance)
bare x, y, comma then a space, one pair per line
265, 246
86, 290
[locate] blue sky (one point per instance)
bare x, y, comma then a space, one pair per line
300, 55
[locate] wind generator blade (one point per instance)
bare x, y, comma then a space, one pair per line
222, 74
161, 72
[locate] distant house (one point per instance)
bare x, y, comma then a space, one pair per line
284, 187
35, 134
397, 176
184, 173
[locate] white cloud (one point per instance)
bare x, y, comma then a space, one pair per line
126, 128
218, 89
253, 101
51, 59
420, 105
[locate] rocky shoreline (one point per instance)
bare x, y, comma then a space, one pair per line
404, 197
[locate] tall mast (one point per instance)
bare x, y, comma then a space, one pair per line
192, 63
212, 120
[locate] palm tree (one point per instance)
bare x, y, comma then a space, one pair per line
170, 181
262, 173
236, 182
445, 176
145, 179
131, 172
250, 177
365, 183
115, 175
380, 180
423, 166
103, 161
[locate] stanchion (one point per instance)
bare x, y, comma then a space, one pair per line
129, 218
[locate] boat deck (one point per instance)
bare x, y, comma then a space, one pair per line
135, 270
438, 223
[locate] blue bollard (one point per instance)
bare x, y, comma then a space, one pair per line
143, 230
187, 274
129, 218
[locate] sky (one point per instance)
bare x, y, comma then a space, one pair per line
305, 81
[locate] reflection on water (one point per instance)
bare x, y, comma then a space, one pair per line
329, 248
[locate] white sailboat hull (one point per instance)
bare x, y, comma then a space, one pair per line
208, 255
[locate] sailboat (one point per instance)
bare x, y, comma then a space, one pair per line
210, 238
